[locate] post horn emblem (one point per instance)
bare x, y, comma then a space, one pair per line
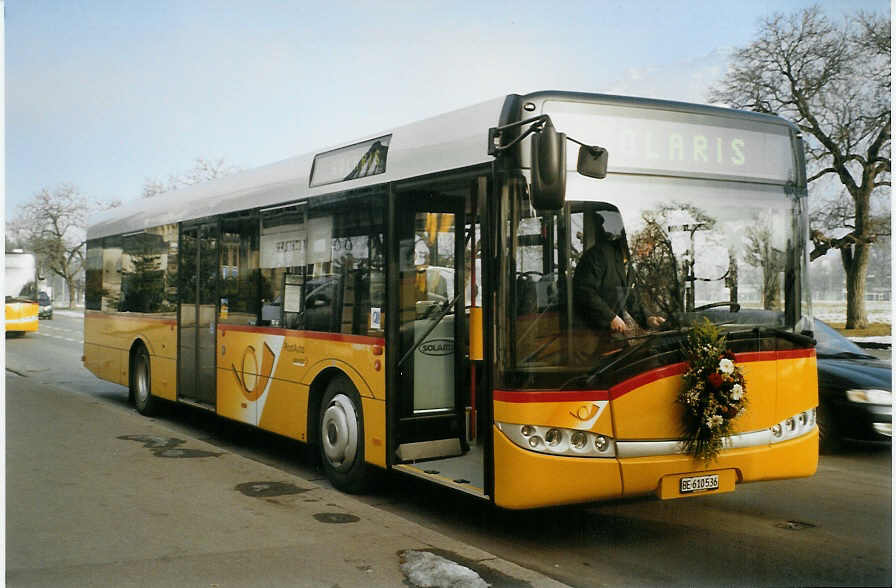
251, 380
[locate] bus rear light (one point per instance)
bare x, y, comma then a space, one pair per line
559, 441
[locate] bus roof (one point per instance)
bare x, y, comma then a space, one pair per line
453, 140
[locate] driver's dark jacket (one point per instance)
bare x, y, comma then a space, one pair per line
601, 289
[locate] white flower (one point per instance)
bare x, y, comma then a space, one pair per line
737, 392
714, 421
726, 366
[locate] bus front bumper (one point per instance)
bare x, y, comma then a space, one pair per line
526, 479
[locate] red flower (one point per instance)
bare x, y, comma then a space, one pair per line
715, 380
728, 354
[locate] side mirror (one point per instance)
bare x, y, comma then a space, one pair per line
592, 161
548, 168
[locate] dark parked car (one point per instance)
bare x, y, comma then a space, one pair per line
44, 306
854, 390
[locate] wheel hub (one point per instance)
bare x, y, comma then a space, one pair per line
340, 426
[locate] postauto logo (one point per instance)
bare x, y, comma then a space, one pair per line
253, 381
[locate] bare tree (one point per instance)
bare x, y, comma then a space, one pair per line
833, 81
203, 170
52, 225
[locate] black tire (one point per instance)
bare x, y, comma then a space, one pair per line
141, 383
829, 439
341, 436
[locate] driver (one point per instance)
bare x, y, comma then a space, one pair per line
602, 295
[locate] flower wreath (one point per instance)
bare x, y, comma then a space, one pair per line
714, 391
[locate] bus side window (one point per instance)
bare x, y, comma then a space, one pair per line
239, 283
346, 265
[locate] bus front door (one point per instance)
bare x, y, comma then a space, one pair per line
197, 298
431, 411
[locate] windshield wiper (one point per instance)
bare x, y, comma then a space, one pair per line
625, 353
799, 338
846, 355
734, 306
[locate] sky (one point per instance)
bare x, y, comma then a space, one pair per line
106, 95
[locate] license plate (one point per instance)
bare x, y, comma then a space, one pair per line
699, 484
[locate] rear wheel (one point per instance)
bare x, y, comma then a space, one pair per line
141, 383
341, 436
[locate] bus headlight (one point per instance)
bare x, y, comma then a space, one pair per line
794, 426
559, 441
554, 437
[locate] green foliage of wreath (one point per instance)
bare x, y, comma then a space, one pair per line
714, 391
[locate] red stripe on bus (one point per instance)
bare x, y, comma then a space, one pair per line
145, 317
550, 395
754, 356
796, 353
676, 369
638, 381
363, 339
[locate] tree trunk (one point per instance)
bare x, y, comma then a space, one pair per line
70, 286
855, 263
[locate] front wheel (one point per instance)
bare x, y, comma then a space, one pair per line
141, 383
341, 436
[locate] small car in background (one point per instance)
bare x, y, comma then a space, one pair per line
45, 306
855, 401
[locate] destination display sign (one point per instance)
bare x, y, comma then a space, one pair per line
350, 163
284, 247
664, 142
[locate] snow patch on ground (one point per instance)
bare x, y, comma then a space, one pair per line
882, 339
879, 311
428, 570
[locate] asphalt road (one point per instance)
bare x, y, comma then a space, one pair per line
832, 529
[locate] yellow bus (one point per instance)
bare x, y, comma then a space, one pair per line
408, 301
20, 284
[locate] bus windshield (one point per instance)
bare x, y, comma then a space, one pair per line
632, 256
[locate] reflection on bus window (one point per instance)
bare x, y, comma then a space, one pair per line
600, 277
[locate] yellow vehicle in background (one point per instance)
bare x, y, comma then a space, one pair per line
20, 284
